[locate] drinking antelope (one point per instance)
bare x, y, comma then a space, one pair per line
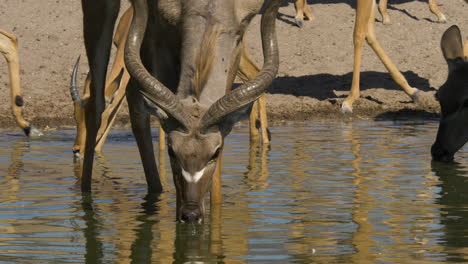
453, 98
9, 49
116, 85
191, 52
114, 91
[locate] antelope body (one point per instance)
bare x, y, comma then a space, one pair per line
190, 53
453, 98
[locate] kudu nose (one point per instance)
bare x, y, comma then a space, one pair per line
191, 214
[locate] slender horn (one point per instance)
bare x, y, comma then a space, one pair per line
253, 89
75, 94
151, 88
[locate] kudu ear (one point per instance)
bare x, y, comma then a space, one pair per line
166, 120
231, 119
452, 47
155, 110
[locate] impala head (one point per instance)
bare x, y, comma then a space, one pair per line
201, 114
453, 99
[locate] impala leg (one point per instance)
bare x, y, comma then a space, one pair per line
216, 234
98, 24
162, 157
215, 194
120, 39
253, 122
119, 77
263, 119
392, 69
435, 10
9, 49
308, 15
383, 12
299, 5
364, 28
247, 71
140, 120
108, 118
363, 11
118, 85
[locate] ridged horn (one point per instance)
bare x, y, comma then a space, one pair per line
254, 88
151, 88
74, 93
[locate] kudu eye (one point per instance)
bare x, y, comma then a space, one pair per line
215, 155
170, 151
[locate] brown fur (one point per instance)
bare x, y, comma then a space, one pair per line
205, 59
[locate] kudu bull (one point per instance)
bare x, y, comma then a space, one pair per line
116, 85
453, 98
9, 49
191, 52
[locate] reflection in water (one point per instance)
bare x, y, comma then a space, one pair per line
141, 247
454, 208
362, 238
94, 247
322, 193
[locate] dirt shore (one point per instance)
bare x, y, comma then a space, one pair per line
315, 69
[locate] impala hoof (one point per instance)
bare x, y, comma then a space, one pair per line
423, 98
299, 22
346, 108
442, 19
76, 154
31, 131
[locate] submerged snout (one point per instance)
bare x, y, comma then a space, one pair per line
191, 213
441, 154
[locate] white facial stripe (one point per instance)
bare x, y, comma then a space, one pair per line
193, 178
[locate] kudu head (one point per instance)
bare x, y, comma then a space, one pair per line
204, 110
453, 99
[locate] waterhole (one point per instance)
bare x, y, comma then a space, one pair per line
321, 193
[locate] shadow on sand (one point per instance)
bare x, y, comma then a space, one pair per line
323, 86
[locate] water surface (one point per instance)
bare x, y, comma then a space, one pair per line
322, 193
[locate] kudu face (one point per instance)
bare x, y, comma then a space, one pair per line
204, 109
193, 154
194, 159
453, 99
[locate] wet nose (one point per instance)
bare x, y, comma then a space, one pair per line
191, 214
440, 154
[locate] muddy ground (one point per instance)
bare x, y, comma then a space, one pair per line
315, 68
